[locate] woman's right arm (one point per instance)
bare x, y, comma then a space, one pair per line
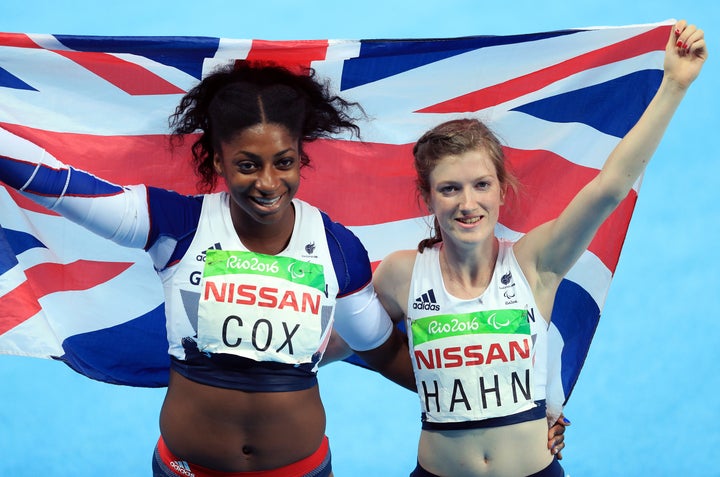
108, 210
391, 280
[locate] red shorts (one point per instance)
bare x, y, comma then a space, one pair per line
165, 464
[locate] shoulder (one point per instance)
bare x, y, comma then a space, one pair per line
349, 256
169, 207
343, 241
396, 267
168, 198
392, 282
340, 234
171, 213
401, 259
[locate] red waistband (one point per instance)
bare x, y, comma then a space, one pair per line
296, 469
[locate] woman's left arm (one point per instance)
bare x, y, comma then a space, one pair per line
362, 322
555, 246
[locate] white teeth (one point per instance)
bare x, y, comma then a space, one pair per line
469, 220
266, 202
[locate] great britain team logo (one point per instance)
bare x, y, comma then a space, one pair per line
310, 248
508, 285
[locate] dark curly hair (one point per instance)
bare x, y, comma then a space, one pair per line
453, 138
244, 94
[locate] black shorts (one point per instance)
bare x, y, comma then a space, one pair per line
552, 470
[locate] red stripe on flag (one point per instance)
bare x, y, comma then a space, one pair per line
355, 183
361, 183
129, 77
497, 94
548, 184
27, 204
17, 306
366, 184
49, 278
295, 55
126, 160
19, 40
43, 279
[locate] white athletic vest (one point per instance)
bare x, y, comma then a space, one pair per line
261, 307
478, 359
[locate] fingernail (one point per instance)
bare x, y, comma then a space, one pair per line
685, 45
565, 420
679, 44
677, 32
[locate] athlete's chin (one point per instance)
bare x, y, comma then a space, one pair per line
471, 236
269, 214
269, 218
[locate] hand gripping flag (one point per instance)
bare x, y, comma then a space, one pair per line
560, 101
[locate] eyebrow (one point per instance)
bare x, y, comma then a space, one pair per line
456, 181
251, 155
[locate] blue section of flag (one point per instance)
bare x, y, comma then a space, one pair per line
8, 80
20, 241
133, 353
379, 59
185, 53
576, 316
595, 105
7, 254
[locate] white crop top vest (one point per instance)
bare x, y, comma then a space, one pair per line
479, 362
254, 306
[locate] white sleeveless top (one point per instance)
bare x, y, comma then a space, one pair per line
232, 301
479, 362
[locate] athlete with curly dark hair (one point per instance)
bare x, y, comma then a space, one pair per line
255, 280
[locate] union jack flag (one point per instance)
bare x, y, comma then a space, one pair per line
559, 101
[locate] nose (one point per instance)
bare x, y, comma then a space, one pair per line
267, 180
467, 200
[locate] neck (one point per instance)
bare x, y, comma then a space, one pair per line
268, 238
468, 271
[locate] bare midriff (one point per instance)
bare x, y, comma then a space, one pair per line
237, 431
512, 450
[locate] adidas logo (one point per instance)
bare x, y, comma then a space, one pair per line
426, 301
182, 468
203, 254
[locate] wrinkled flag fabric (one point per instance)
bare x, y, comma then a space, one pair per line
560, 101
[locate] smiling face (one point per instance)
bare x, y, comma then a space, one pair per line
465, 195
261, 169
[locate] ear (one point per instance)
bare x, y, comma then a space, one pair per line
218, 164
426, 201
503, 192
